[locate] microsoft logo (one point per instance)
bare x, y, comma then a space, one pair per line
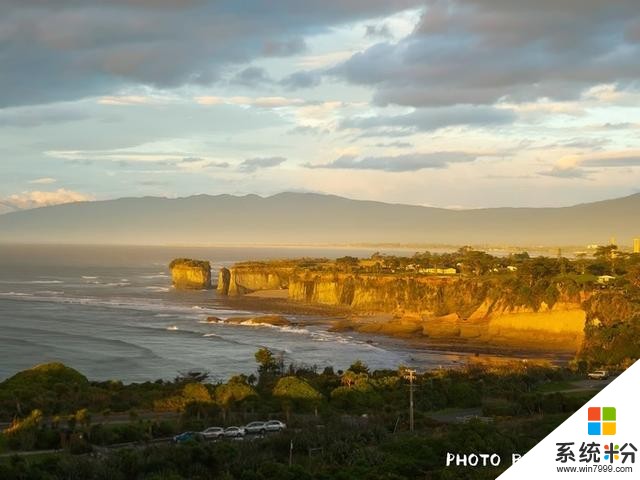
602, 420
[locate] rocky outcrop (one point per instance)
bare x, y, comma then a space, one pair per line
273, 320
439, 308
187, 273
242, 280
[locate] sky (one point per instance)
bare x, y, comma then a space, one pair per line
448, 103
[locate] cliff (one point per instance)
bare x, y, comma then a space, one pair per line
241, 280
492, 311
482, 311
187, 273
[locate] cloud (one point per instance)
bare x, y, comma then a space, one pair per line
486, 51
28, 117
253, 164
260, 102
377, 31
565, 172
609, 161
396, 144
301, 79
125, 100
43, 181
252, 77
399, 163
35, 198
63, 50
429, 119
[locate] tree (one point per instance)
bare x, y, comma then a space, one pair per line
359, 367
232, 392
296, 391
196, 392
266, 360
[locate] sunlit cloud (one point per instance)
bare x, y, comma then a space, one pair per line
35, 198
43, 181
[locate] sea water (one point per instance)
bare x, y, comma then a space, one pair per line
111, 313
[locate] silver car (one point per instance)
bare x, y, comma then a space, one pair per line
234, 432
212, 433
255, 428
274, 426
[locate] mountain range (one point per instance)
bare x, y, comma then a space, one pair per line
309, 218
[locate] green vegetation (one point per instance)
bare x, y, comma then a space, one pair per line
349, 424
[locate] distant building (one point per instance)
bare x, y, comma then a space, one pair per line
439, 271
636, 245
604, 279
512, 268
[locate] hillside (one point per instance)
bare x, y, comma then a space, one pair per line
305, 218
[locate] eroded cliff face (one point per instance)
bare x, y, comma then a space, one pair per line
190, 274
466, 309
243, 280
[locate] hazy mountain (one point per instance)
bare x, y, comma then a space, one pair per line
304, 218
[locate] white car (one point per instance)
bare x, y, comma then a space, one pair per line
255, 427
598, 375
234, 432
274, 426
212, 433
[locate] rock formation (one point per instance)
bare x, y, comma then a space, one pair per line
464, 309
187, 273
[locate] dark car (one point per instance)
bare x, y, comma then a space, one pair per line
188, 436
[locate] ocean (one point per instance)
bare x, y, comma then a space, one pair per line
111, 313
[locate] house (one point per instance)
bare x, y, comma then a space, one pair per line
439, 271
512, 268
604, 279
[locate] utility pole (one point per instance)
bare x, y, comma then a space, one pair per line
411, 376
291, 454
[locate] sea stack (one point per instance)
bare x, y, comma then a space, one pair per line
187, 273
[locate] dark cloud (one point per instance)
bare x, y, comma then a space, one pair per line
569, 172
66, 49
218, 165
482, 51
302, 79
27, 117
394, 145
252, 77
621, 161
253, 164
377, 31
429, 119
399, 163
308, 130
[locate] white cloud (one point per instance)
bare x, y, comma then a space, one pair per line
261, 102
126, 100
35, 198
43, 181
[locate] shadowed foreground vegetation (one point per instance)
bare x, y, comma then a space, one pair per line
342, 425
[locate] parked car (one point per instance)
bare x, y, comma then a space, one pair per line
598, 375
187, 436
255, 427
274, 426
234, 432
212, 433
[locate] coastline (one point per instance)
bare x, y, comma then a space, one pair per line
344, 319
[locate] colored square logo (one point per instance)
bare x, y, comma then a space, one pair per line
601, 421
595, 428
